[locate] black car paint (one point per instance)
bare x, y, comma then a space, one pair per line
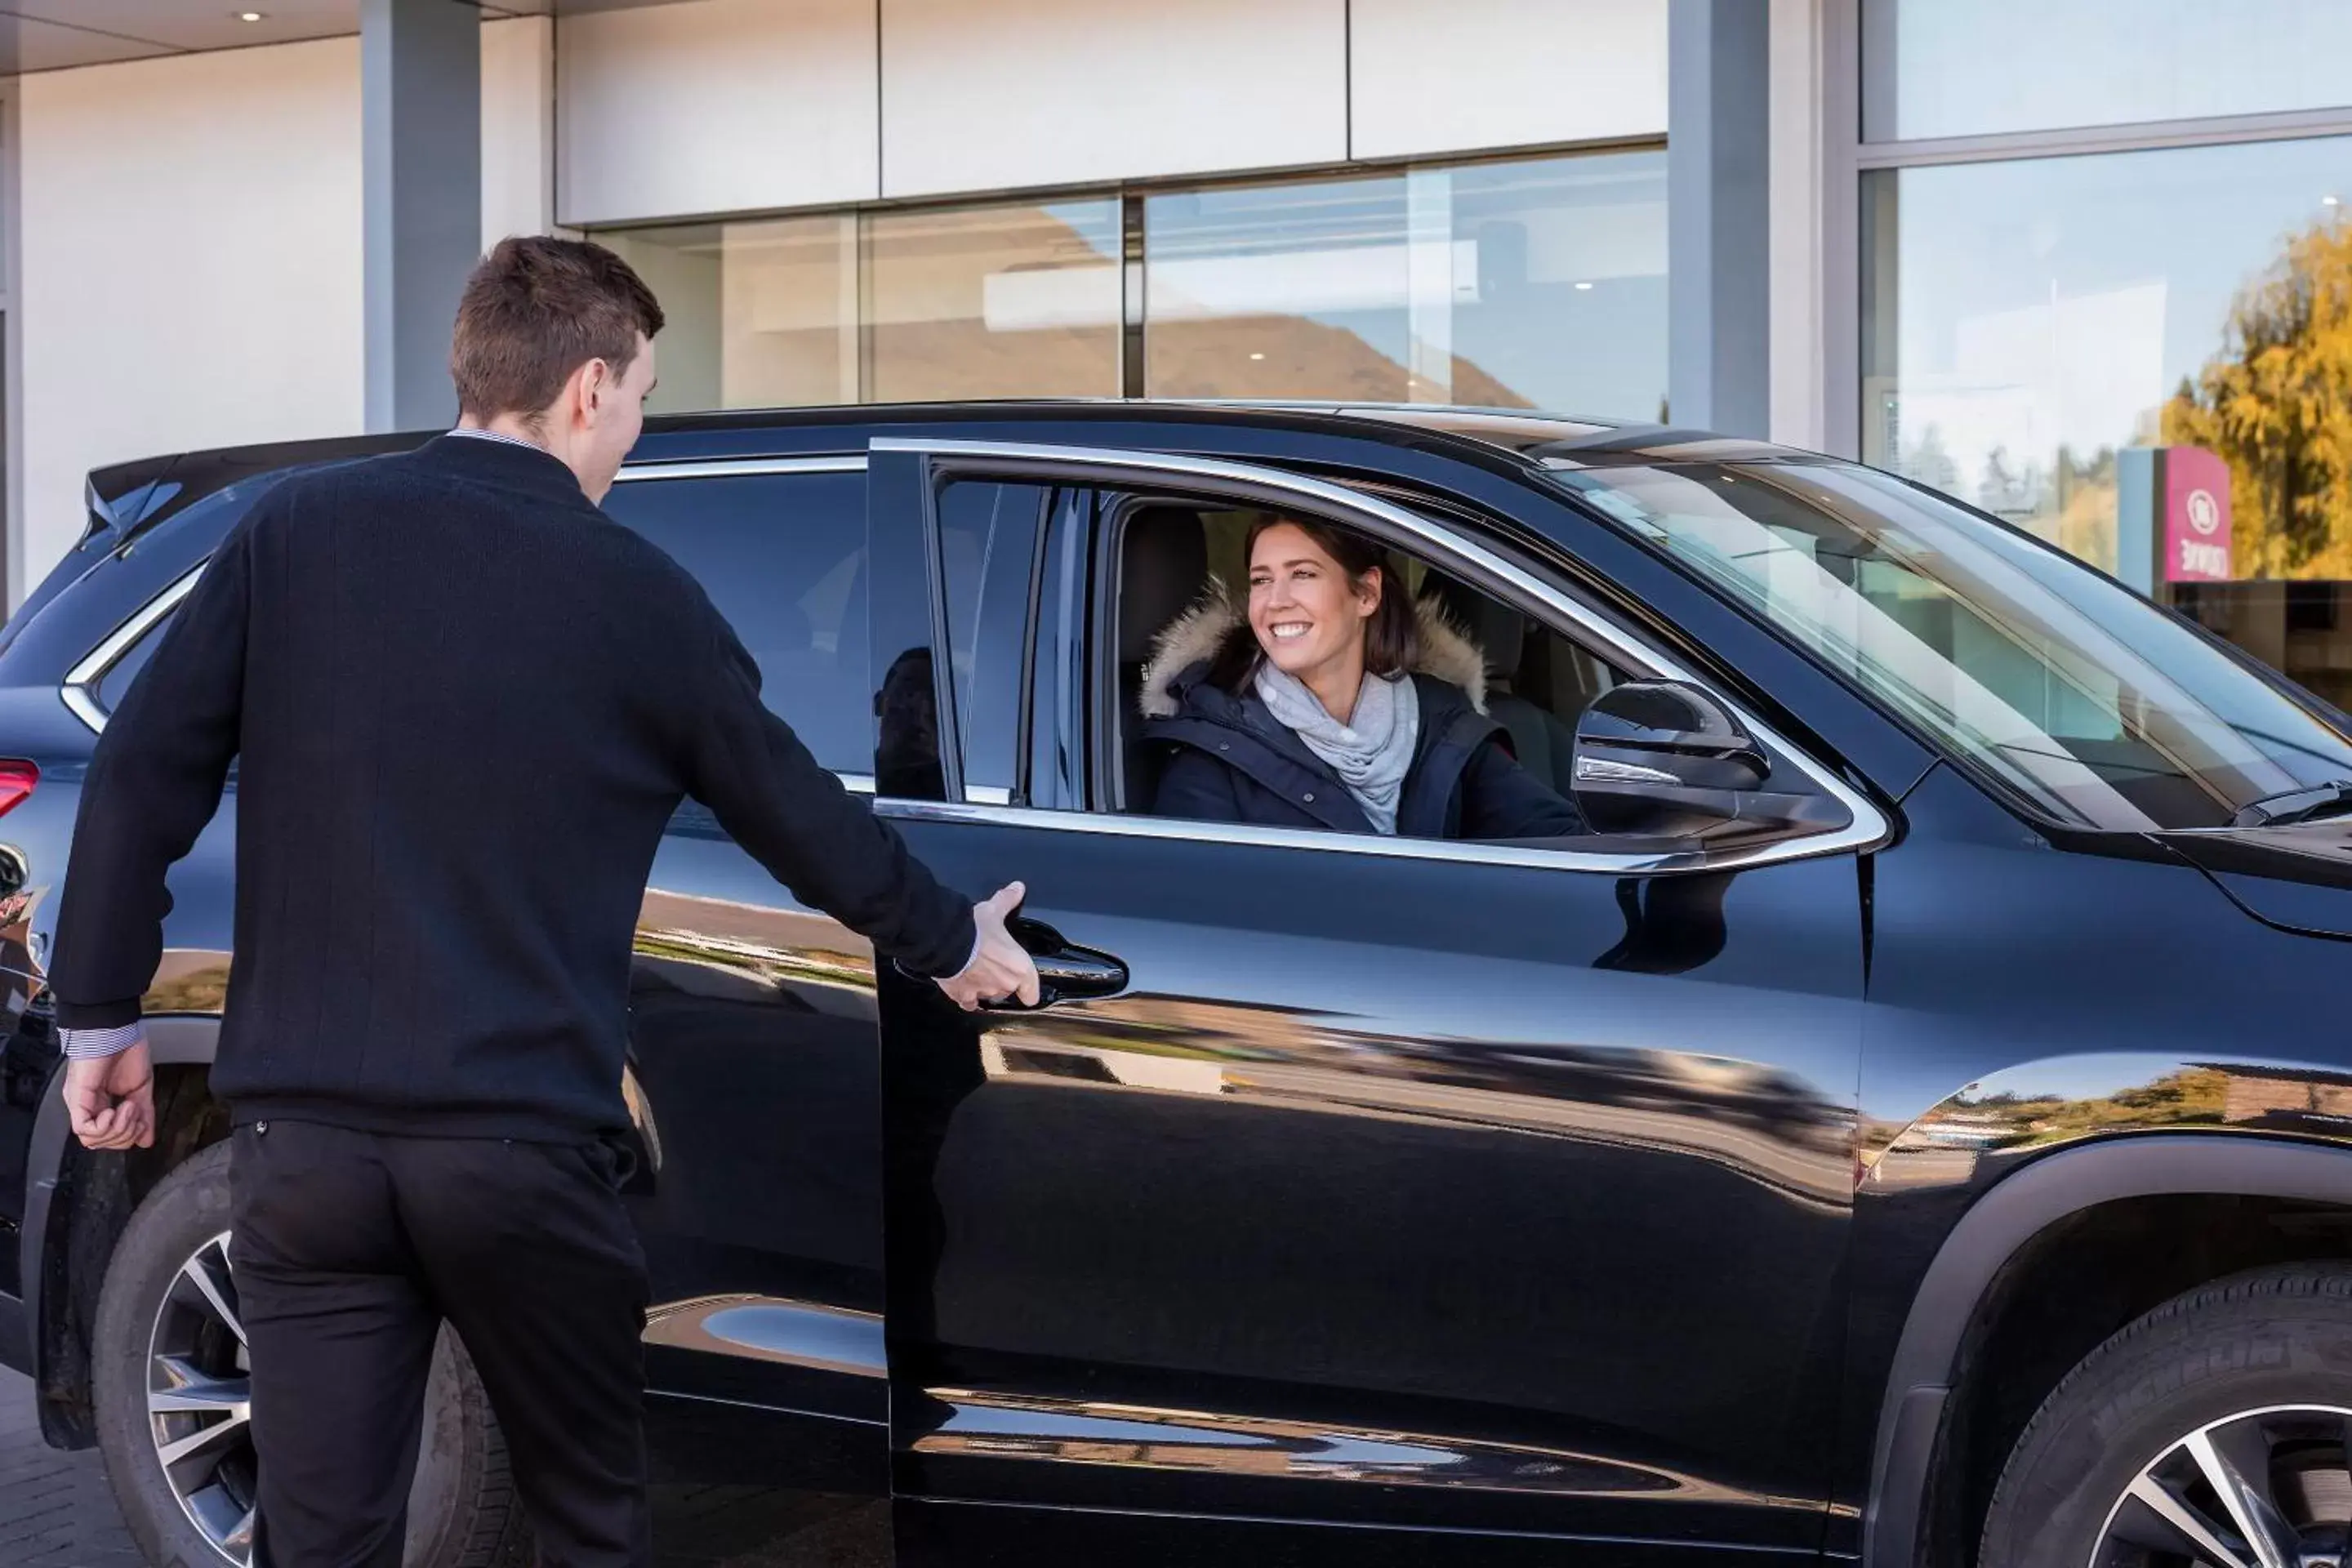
1631, 1217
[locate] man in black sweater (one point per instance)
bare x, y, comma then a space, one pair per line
462, 704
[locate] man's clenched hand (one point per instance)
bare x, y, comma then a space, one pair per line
111, 1099
1000, 966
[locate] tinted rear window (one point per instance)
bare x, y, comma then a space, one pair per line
783, 558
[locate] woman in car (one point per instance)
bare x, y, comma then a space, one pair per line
1333, 702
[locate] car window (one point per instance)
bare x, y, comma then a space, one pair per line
1532, 679
782, 556
116, 682
2092, 704
988, 544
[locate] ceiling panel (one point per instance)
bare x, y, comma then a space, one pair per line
198, 24
27, 45
50, 35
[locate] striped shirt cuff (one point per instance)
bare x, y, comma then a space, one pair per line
90, 1045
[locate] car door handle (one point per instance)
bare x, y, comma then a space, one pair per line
1065, 973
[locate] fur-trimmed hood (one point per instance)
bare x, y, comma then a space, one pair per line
1447, 652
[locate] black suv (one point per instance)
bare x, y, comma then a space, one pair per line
1908, 1127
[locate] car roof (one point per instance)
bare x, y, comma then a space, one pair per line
1558, 440
1553, 440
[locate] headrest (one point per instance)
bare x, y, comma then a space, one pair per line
1163, 565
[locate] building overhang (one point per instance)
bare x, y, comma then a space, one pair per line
58, 34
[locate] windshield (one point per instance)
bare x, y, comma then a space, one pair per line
2100, 709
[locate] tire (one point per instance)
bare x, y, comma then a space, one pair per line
2246, 1380
463, 1511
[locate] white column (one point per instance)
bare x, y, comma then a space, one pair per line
1719, 344
518, 127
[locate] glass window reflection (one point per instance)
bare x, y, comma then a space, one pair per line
760, 314
1004, 300
999, 301
1969, 67
1520, 283
2033, 329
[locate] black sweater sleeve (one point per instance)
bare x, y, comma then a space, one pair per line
796, 818
154, 780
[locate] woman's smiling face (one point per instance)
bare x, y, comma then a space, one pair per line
1308, 617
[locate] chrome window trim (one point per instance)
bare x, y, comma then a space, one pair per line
736, 468
856, 783
80, 691
1869, 828
1461, 850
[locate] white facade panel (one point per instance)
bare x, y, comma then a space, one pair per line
518, 127
190, 263
1051, 92
1452, 76
715, 106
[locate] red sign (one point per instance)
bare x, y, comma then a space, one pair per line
2196, 516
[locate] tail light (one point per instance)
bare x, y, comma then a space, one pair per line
16, 782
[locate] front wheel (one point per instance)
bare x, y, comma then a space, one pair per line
2216, 1430
171, 1383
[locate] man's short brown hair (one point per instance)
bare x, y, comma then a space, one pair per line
538, 309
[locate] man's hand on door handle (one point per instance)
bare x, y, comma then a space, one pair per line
1000, 966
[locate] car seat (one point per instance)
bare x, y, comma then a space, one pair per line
1545, 745
1163, 567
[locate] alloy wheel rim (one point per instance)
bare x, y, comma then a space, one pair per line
2270, 1488
200, 1402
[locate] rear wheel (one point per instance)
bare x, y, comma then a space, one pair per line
173, 1418
2215, 1430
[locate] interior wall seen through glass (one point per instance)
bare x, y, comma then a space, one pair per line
760, 314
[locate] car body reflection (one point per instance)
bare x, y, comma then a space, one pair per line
1092, 1432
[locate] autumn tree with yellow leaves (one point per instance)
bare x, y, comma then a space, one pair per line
2276, 405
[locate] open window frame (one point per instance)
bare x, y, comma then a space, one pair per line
1529, 587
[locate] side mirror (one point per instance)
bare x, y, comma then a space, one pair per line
1665, 759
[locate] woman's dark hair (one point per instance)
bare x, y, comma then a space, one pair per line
1392, 634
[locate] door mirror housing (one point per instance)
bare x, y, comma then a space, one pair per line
1665, 759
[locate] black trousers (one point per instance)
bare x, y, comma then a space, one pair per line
349, 1249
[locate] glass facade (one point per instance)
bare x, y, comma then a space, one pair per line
2028, 321
1537, 284
2143, 355
1974, 68
1000, 301
1525, 283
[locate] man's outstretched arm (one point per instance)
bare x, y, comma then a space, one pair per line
826, 845
154, 782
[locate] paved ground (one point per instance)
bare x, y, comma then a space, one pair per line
55, 1509
55, 1512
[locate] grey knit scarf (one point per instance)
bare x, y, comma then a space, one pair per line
1372, 752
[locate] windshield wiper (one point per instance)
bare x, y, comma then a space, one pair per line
2307, 803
